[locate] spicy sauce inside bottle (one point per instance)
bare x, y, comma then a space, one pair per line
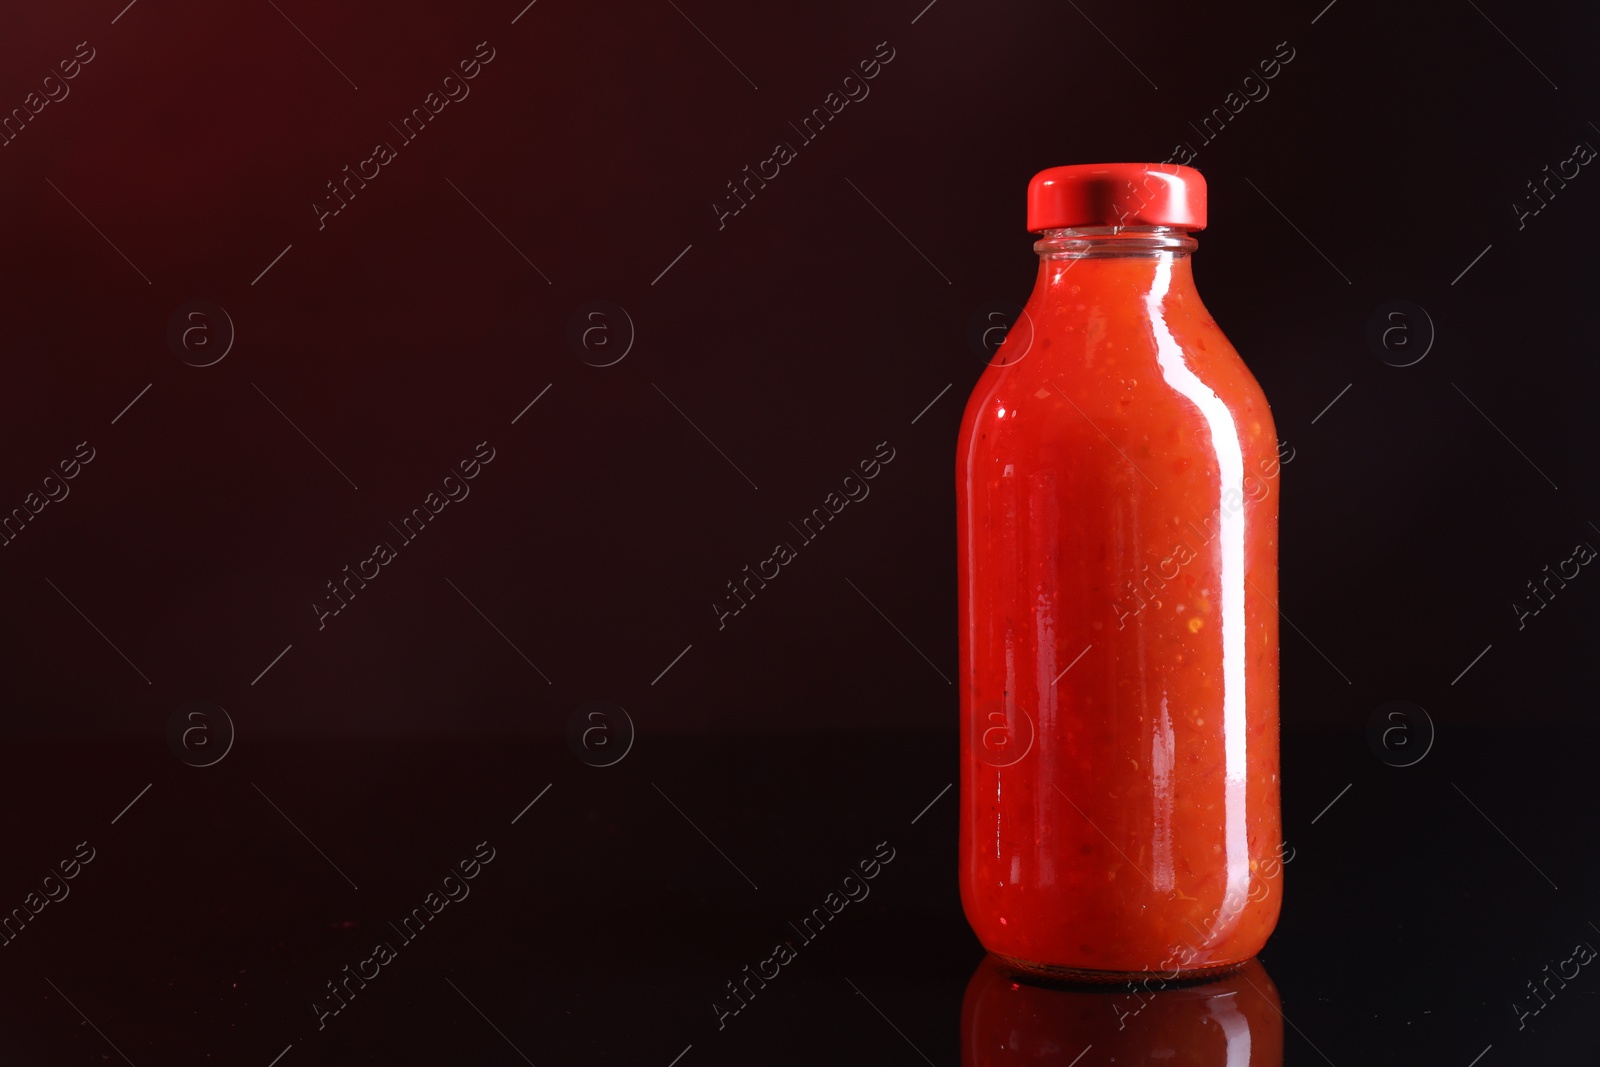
1117, 485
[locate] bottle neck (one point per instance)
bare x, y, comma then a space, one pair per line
1114, 264
1114, 242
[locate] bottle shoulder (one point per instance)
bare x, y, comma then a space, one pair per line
1103, 358
1117, 374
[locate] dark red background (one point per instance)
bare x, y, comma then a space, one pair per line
797, 338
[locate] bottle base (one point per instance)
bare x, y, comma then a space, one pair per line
1054, 974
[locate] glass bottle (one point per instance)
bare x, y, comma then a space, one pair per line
1117, 493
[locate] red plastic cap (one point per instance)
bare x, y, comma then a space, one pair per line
1117, 194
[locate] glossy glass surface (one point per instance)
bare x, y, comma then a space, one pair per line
1117, 483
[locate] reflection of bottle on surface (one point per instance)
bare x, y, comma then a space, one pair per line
1232, 1022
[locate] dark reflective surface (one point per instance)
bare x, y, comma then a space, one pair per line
613, 913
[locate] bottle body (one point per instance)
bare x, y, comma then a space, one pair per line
1117, 490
